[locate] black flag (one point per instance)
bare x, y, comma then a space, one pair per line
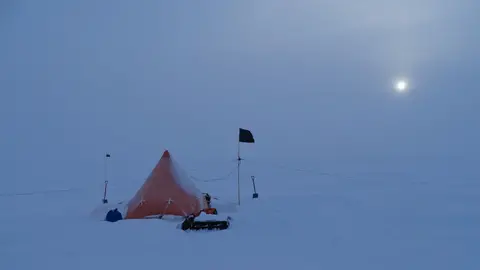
245, 136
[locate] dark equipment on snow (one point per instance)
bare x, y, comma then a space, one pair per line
191, 224
113, 216
255, 194
209, 210
208, 198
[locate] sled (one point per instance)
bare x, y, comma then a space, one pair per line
210, 224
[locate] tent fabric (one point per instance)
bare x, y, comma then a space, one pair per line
167, 191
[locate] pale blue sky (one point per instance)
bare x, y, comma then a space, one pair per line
311, 79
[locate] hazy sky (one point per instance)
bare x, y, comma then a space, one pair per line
311, 79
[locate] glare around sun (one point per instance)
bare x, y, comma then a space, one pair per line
401, 86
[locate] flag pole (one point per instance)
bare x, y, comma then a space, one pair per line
238, 173
244, 136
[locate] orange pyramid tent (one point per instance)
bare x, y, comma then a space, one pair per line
167, 191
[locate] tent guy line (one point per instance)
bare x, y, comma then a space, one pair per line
225, 177
48, 191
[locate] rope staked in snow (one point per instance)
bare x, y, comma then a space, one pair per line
222, 178
39, 192
225, 177
278, 166
338, 176
285, 167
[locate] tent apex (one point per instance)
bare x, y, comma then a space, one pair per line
166, 154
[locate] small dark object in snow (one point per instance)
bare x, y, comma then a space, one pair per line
113, 216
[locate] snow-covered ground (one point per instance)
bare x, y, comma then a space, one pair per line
425, 217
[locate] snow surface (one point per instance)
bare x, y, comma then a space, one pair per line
424, 219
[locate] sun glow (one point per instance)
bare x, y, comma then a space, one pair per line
401, 86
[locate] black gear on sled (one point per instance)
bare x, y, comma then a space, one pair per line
191, 224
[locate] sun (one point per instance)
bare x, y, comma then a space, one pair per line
401, 86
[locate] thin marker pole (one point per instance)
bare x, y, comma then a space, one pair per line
238, 173
106, 178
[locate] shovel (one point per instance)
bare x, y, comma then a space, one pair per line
255, 194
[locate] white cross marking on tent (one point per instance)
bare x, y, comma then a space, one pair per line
142, 201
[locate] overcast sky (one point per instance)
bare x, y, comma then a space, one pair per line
310, 79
